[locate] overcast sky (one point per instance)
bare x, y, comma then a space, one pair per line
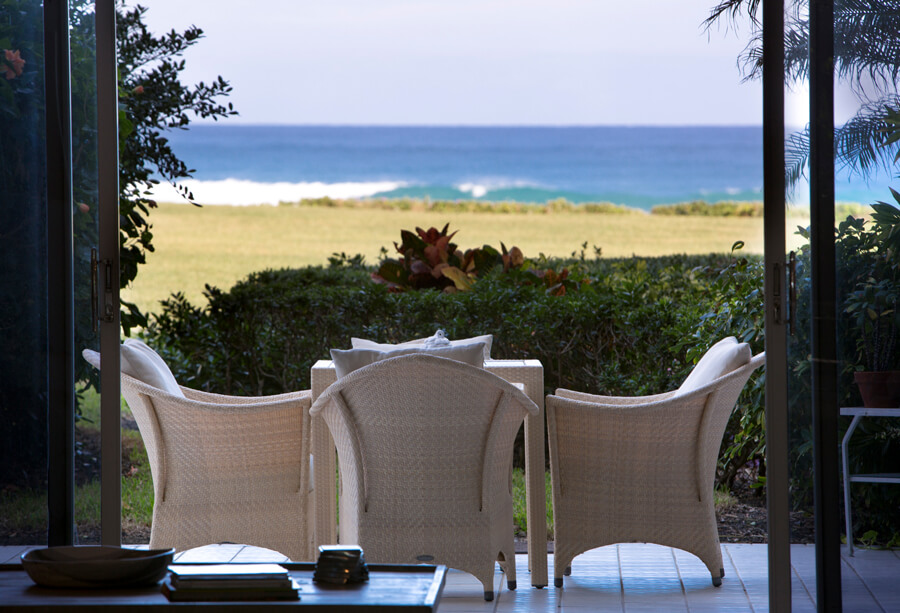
467, 62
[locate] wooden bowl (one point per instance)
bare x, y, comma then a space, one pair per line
93, 566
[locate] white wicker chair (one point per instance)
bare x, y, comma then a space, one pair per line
226, 468
425, 450
639, 469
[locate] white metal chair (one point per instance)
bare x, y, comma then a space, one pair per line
642, 469
425, 451
224, 468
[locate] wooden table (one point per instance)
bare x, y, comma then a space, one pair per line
391, 588
529, 373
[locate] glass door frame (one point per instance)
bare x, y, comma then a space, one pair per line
108, 283
825, 413
779, 311
60, 278
60, 274
777, 314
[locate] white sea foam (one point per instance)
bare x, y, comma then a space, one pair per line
483, 186
242, 193
476, 190
728, 191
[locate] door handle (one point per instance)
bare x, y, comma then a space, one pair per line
109, 308
792, 293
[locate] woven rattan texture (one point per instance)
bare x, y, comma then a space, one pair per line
227, 469
425, 451
639, 469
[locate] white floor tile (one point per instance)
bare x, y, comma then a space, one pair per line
528, 600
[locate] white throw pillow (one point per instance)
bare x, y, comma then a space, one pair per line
145, 365
722, 358
361, 343
348, 360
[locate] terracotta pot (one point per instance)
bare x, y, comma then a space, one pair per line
879, 390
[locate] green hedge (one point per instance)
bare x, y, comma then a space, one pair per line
633, 330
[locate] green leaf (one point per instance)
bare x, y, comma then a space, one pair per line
462, 281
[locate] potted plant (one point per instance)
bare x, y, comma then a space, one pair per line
874, 309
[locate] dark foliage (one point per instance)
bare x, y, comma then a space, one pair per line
632, 330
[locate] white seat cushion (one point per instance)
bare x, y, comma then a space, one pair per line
348, 360
722, 358
361, 343
145, 365
92, 357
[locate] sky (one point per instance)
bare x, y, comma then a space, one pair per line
467, 62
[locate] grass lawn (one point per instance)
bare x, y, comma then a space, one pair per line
220, 245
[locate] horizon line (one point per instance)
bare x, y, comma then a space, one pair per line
472, 125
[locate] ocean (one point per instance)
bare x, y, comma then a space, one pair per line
633, 166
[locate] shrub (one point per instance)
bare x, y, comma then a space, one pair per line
735, 308
430, 261
469, 206
706, 209
862, 250
622, 334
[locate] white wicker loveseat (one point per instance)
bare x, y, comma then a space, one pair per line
642, 469
224, 468
425, 451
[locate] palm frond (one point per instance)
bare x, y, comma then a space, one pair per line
750, 61
796, 48
796, 156
796, 51
866, 56
866, 44
733, 7
864, 141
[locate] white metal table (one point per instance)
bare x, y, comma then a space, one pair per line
858, 413
529, 373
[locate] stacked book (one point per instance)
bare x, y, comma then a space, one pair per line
224, 582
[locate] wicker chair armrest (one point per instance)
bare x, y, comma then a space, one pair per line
332, 408
497, 468
612, 400
661, 402
621, 410
234, 403
209, 397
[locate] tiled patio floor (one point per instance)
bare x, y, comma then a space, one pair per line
643, 578
639, 578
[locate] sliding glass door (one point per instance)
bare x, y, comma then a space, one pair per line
24, 275
58, 248
832, 298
